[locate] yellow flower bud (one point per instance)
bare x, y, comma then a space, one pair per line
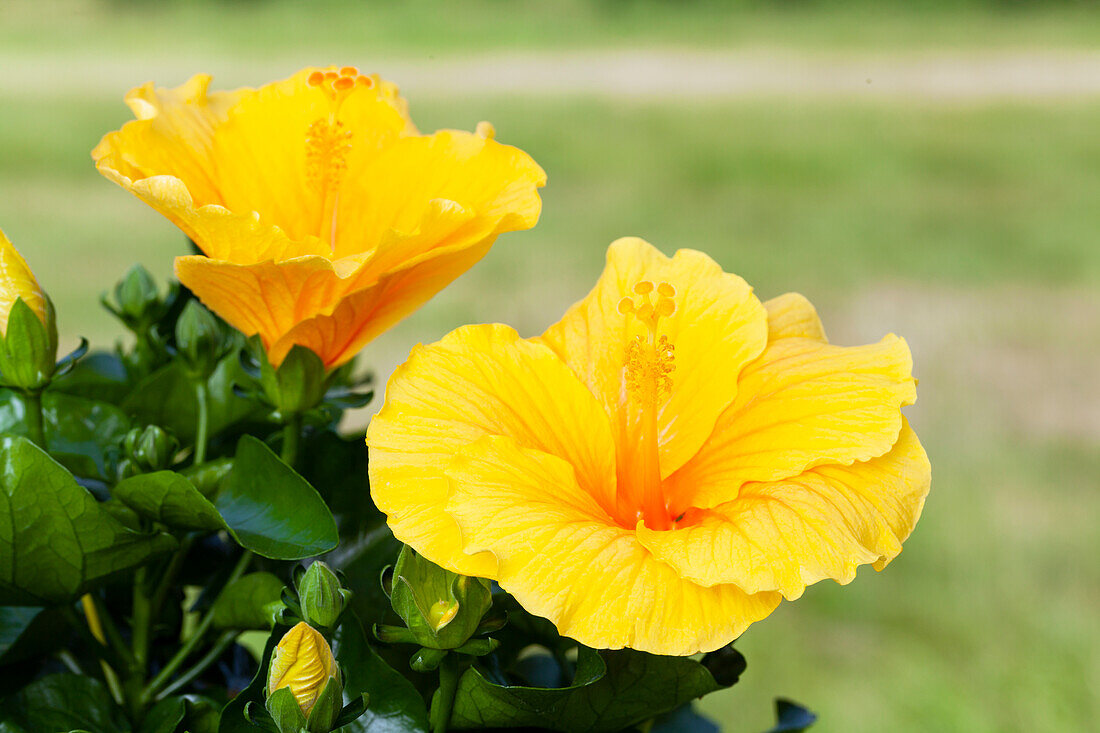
17, 281
303, 662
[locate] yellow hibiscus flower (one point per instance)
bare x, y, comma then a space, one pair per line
17, 281
324, 216
662, 465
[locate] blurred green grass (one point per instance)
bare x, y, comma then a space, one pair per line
269, 28
967, 226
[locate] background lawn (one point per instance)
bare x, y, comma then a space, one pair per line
966, 222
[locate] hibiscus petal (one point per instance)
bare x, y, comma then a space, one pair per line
359, 317
395, 190
788, 534
478, 380
803, 403
172, 135
717, 328
792, 316
561, 557
268, 298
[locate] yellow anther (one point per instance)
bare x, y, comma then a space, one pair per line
666, 290
626, 306
644, 287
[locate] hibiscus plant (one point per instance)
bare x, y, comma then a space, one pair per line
566, 532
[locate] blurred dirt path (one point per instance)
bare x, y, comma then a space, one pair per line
665, 73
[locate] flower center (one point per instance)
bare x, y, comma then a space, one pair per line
328, 143
647, 377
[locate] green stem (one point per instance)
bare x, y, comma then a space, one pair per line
192, 643
169, 575
202, 427
224, 642
444, 700
36, 424
141, 623
292, 436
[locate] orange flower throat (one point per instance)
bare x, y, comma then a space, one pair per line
647, 376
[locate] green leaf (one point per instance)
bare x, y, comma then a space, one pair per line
270, 509
83, 435
165, 716
791, 717
169, 498
395, 705
64, 702
56, 542
611, 690
249, 602
99, 375
26, 631
167, 398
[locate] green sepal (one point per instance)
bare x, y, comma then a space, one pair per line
393, 634
326, 709
352, 711
285, 711
257, 715
478, 647
28, 349
427, 660
441, 608
297, 385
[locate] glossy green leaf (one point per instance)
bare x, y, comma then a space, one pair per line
167, 398
395, 705
791, 717
64, 702
56, 542
99, 375
169, 498
27, 631
83, 435
611, 690
249, 602
165, 716
270, 509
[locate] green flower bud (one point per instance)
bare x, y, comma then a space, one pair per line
137, 302
150, 448
321, 596
201, 340
442, 609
